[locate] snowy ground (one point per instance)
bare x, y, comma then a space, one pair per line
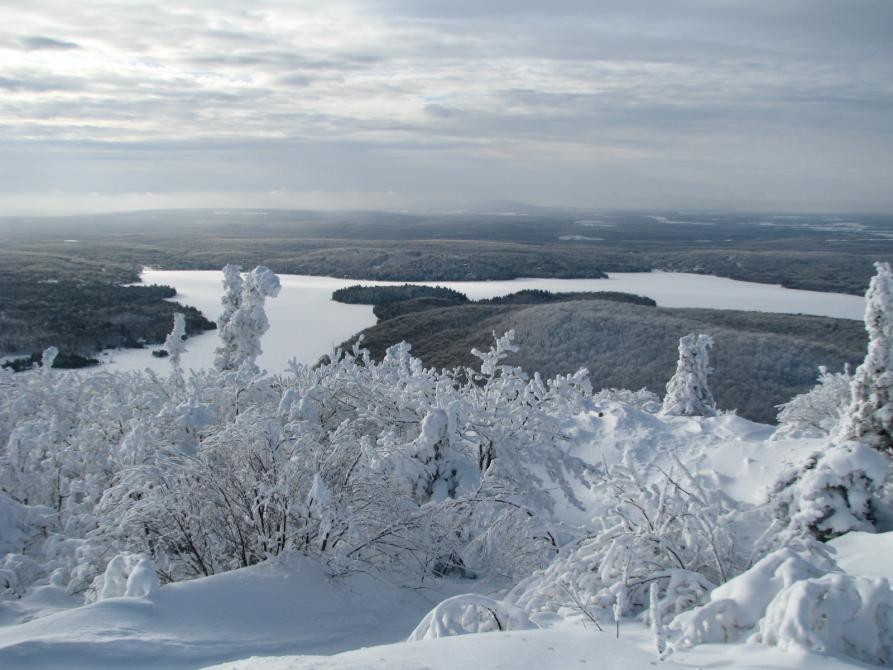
280, 608
264, 613
566, 647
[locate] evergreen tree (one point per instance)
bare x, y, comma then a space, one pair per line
244, 320
870, 415
687, 392
232, 300
174, 344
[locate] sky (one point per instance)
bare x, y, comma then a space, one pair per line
400, 104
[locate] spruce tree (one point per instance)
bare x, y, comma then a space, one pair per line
870, 415
687, 391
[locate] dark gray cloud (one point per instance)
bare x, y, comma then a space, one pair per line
39, 42
612, 103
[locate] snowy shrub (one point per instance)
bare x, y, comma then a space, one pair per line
869, 418
819, 410
385, 465
126, 576
737, 606
829, 494
643, 399
674, 532
17, 572
687, 391
833, 614
469, 613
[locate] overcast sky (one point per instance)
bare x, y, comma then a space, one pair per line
742, 104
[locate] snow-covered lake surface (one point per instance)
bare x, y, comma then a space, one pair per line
306, 323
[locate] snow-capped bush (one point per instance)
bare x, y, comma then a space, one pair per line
820, 410
127, 575
675, 532
687, 391
469, 613
736, 607
836, 614
643, 399
869, 418
829, 494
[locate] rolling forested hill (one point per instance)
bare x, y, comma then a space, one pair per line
760, 359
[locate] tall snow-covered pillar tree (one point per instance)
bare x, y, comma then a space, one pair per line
869, 418
687, 391
232, 300
244, 320
174, 344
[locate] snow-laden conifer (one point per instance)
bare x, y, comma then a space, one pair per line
231, 300
831, 493
244, 320
174, 344
48, 358
687, 391
870, 415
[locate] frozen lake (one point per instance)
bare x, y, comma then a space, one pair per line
305, 323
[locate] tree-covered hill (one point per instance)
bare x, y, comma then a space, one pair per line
760, 359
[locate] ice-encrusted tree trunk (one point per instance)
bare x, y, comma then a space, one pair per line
232, 300
869, 418
242, 329
687, 391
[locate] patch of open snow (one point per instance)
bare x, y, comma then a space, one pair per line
866, 554
566, 646
285, 607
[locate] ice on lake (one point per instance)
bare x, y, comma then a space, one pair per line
305, 323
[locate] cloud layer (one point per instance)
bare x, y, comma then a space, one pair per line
689, 103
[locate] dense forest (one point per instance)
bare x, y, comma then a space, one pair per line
81, 309
809, 251
382, 295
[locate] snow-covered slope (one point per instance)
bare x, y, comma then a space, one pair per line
564, 648
288, 606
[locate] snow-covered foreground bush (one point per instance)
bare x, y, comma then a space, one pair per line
365, 464
829, 494
797, 600
737, 606
820, 410
672, 531
835, 614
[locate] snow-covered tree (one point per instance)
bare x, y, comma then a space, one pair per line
48, 358
687, 391
829, 494
174, 343
869, 418
819, 410
244, 320
232, 300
